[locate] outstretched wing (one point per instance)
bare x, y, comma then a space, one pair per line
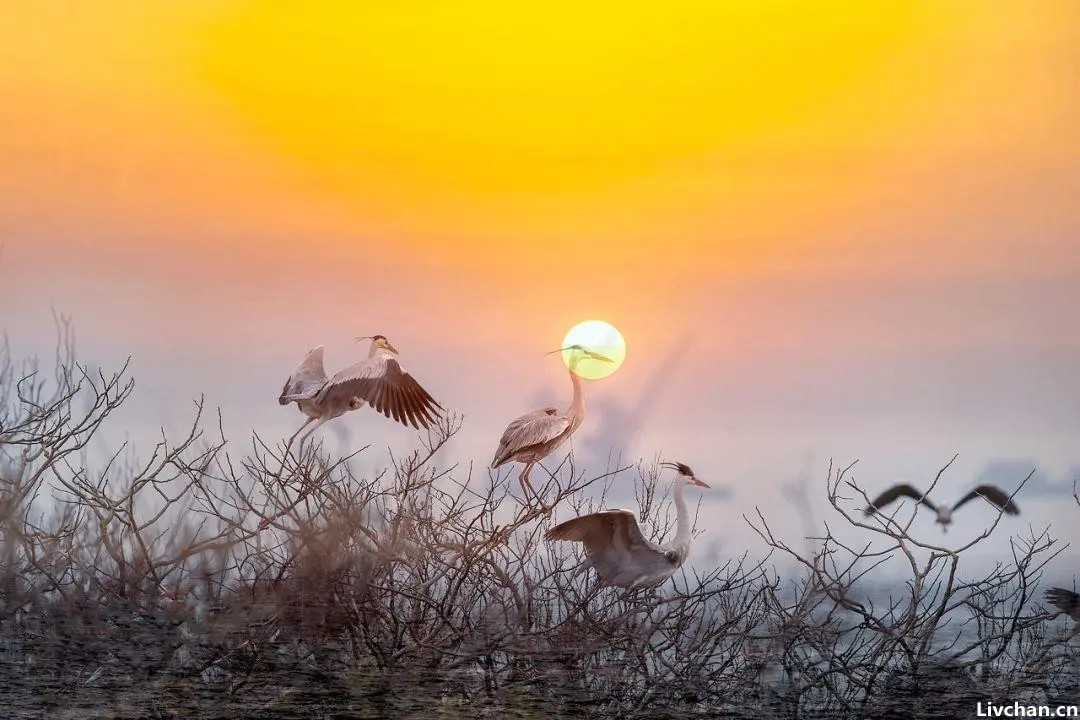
380, 381
992, 495
1064, 600
532, 428
617, 550
306, 380
896, 491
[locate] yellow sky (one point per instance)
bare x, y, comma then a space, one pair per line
688, 131
565, 157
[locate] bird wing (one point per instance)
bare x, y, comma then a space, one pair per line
992, 495
532, 428
901, 490
380, 381
306, 380
1064, 600
618, 551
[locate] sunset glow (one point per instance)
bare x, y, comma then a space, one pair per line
715, 133
785, 207
839, 239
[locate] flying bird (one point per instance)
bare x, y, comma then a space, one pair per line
378, 381
1064, 600
536, 434
621, 555
990, 493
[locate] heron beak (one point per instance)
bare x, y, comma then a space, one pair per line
391, 348
700, 483
598, 356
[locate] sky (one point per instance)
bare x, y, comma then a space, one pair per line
827, 230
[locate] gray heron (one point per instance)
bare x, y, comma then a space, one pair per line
993, 495
621, 555
378, 381
1064, 600
535, 435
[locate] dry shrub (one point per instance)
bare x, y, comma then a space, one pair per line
199, 584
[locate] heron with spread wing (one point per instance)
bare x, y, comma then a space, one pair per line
616, 548
535, 435
1064, 600
993, 495
378, 381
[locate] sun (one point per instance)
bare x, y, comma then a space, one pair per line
600, 337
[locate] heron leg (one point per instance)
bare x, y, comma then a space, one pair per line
289, 442
523, 478
527, 487
308, 433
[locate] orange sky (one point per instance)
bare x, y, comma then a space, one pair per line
716, 132
555, 156
861, 201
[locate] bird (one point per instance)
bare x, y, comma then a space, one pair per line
990, 493
618, 551
1064, 600
378, 381
535, 435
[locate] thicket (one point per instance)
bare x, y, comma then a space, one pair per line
203, 582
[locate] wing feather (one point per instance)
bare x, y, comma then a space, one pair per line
416, 405
395, 402
306, 380
422, 410
1064, 600
407, 410
616, 547
382, 383
405, 406
533, 428
993, 495
896, 491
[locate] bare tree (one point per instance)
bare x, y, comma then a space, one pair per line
841, 644
207, 581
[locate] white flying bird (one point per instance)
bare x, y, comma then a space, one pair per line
621, 555
534, 435
993, 495
378, 381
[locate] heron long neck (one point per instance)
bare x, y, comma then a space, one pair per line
576, 413
682, 521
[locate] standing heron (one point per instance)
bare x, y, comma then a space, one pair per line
536, 434
378, 381
621, 555
993, 495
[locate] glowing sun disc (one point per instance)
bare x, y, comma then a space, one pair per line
600, 337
